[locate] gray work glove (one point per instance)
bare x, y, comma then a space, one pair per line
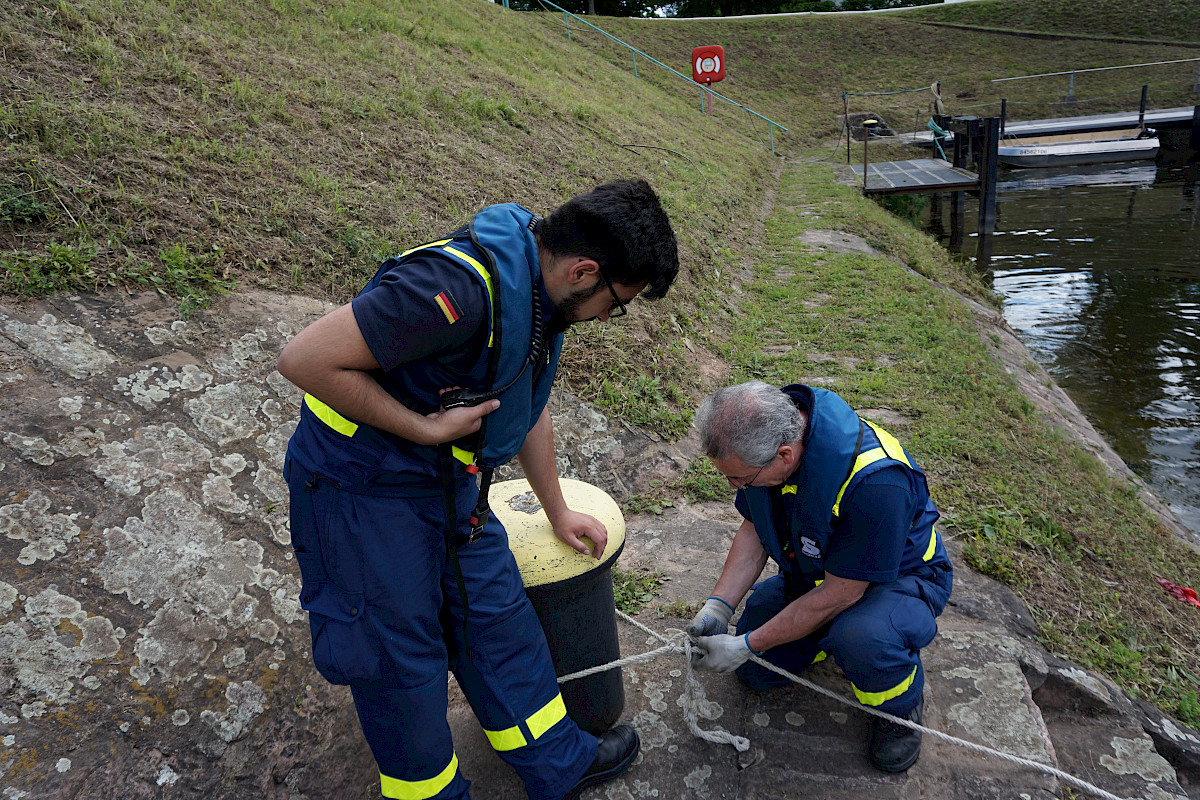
721, 653
712, 619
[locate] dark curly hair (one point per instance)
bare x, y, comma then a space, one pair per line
623, 227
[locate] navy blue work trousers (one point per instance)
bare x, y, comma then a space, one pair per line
876, 642
387, 618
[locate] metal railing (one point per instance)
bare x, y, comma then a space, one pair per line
634, 53
1071, 73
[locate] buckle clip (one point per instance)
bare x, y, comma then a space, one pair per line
478, 521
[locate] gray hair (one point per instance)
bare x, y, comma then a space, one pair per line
750, 420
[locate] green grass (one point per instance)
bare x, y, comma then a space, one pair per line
1171, 20
698, 483
194, 279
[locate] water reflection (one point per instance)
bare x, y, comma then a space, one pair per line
1100, 270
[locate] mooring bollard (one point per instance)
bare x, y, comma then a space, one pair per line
572, 594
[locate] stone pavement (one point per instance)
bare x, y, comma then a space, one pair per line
152, 645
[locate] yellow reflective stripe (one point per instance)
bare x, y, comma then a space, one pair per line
932, 544
330, 417
879, 698
507, 739
418, 790
487, 280
547, 716
863, 460
890, 444
889, 448
465, 456
541, 721
438, 243
788, 489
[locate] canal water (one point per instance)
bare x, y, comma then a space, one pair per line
1099, 268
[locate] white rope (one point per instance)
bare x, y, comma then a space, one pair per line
978, 748
694, 696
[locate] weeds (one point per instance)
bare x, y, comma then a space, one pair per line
634, 589
700, 482
18, 206
679, 609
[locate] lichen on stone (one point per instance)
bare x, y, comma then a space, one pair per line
154, 456
243, 355
1138, 756
176, 644
82, 441
225, 413
284, 388
153, 385
45, 666
8, 597
48, 534
181, 334
31, 448
64, 345
247, 701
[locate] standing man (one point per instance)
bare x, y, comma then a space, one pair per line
440, 368
836, 502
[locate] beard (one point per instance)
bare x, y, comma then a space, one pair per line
564, 313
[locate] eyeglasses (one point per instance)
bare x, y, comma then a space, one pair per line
744, 484
617, 309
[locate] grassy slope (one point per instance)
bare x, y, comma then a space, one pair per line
794, 69
1170, 20
292, 144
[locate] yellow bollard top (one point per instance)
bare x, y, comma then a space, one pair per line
541, 557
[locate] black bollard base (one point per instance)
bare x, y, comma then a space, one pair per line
581, 630
572, 594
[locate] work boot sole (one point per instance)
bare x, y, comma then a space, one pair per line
600, 777
901, 767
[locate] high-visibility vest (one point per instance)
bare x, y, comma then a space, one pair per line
498, 249
840, 450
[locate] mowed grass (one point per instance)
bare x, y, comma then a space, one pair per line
1168, 20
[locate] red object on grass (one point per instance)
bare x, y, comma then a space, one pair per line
1179, 592
708, 64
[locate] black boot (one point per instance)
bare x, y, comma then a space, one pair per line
893, 747
618, 747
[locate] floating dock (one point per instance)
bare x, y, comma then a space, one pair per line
918, 175
1095, 122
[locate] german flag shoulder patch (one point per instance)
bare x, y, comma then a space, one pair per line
448, 306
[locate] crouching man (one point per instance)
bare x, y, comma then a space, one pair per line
841, 508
